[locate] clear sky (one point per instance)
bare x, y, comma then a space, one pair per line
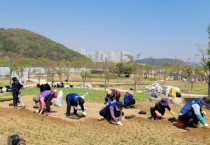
154, 28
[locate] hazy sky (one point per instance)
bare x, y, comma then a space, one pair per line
154, 28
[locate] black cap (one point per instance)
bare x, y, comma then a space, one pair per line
81, 101
119, 105
205, 101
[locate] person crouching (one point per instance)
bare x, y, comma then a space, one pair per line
129, 101
74, 100
192, 113
157, 112
113, 111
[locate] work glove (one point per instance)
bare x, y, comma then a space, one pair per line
206, 125
157, 113
84, 113
172, 112
203, 112
119, 123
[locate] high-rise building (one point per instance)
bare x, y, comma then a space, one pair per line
110, 56
82, 51
124, 56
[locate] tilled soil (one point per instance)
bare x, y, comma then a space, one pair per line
57, 129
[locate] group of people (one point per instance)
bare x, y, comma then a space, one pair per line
113, 109
189, 116
111, 112
46, 95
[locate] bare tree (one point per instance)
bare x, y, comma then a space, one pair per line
59, 71
205, 61
67, 70
136, 70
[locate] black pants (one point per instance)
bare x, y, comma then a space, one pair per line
153, 114
68, 109
107, 115
48, 102
117, 98
188, 118
15, 98
131, 102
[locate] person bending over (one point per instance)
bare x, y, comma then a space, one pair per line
158, 111
74, 100
112, 94
45, 98
113, 111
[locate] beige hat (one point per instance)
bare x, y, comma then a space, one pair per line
109, 92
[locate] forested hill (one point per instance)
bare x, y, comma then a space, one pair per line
159, 61
31, 45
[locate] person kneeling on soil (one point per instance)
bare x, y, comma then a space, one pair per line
129, 101
192, 113
158, 111
45, 98
113, 111
112, 94
74, 99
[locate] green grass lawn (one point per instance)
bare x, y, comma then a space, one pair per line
96, 96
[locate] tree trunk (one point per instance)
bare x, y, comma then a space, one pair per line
105, 84
209, 86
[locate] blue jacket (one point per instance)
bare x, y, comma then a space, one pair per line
127, 97
73, 96
193, 108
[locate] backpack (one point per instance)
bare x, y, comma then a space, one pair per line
15, 140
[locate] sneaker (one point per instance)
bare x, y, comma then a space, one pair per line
75, 116
186, 128
101, 119
194, 125
111, 121
47, 113
152, 118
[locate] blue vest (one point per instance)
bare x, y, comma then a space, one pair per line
188, 108
73, 96
112, 104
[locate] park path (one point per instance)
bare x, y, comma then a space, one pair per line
44, 81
